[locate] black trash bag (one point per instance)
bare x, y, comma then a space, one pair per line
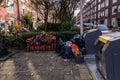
77, 36
79, 59
83, 51
19, 43
4, 52
66, 52
59, 45
79, 41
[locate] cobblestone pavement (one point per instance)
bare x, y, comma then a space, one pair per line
41, 66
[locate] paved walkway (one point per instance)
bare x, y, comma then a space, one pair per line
41, 66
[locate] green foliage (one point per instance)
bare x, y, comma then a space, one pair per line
64, 35
51, 27
85, 29
11, 28
28, 20
74, 28
26, 35
41, 28
66, 26
56, 27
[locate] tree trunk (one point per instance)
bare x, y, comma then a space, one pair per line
46, 19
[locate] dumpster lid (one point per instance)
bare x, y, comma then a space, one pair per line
106, 37
114, 34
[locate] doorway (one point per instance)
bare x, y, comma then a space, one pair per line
118, 22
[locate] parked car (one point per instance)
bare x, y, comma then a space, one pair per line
77, 25
87, 26
103, 28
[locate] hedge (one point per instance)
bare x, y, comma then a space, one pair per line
64, 35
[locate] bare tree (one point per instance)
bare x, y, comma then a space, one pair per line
65, 9
43, 8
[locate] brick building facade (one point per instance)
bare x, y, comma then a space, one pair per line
13, 10
101, 12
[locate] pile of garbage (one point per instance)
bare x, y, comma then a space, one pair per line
4, 45
42, 42
74, 48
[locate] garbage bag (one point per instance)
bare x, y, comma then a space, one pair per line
80, 43
77, 36
4, 52
68, 43
66, 52
59, 45
83, 50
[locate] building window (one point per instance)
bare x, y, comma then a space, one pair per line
10, 7
119, 8
23, 0
99, 7
106, 3
2, 24
114, 9
102, 5
99, 15
106, 12
114, 1
102, 13
10, 21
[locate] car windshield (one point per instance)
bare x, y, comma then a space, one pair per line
87, 24
102, 27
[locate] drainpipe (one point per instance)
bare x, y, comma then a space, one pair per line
18, 11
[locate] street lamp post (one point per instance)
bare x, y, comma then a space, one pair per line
81, 17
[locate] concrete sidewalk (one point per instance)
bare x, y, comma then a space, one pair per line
42, 66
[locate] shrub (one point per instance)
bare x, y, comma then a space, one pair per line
85, 29
26, 35
51, 27
74, 28
64, 35
66, 26
54, 27
41, 28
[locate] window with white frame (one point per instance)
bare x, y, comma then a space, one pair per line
114, 9
106, 2
10, 21
95, 15
99, 0
95, 2
99, 15
95, 9
102, 5
119, 8
102, 13
99, 7
23, 0
10, 6
106, 12
2, 24
114, 1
